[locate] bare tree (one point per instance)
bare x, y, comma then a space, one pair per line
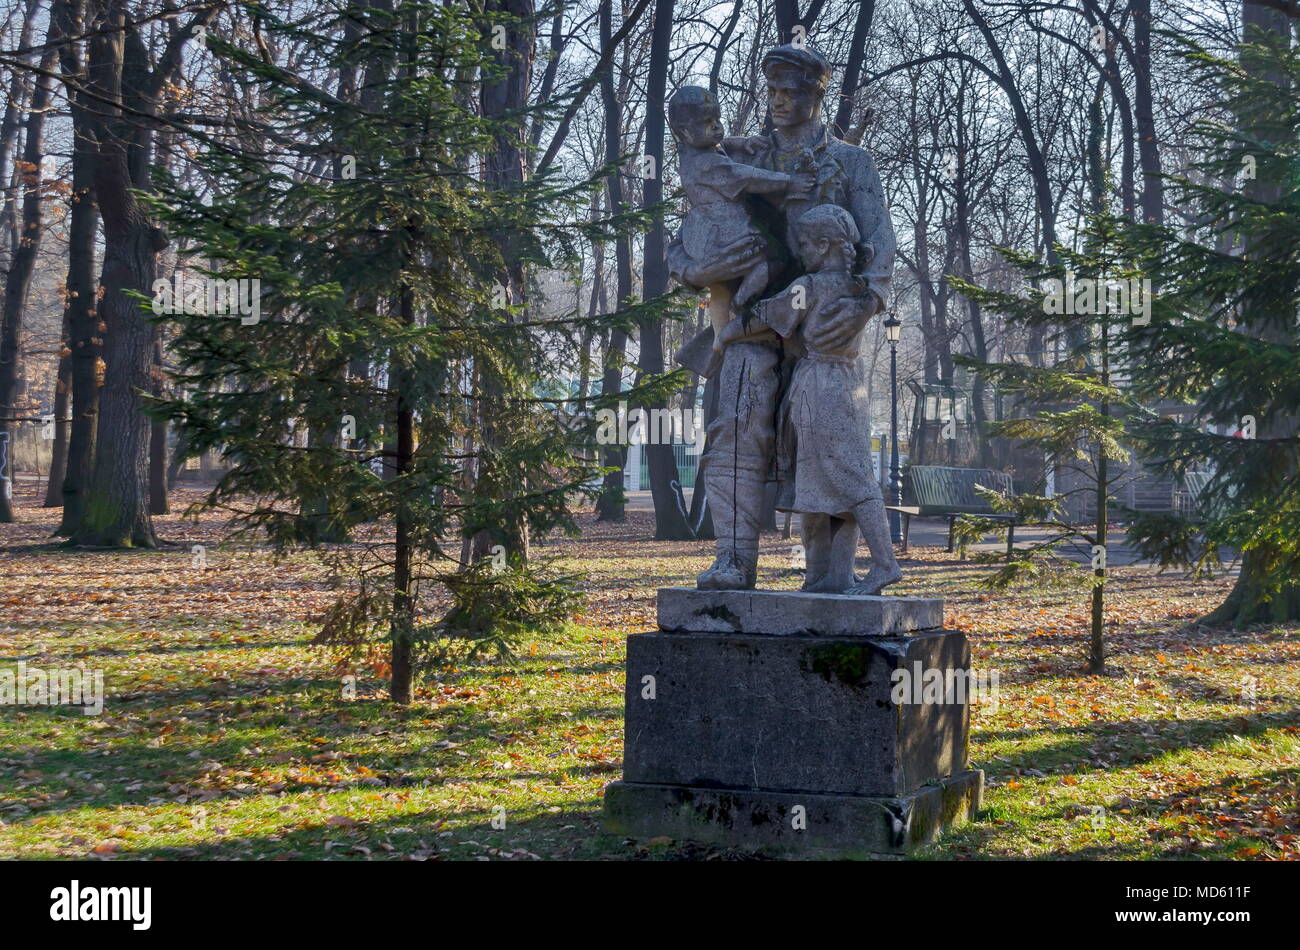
18, 280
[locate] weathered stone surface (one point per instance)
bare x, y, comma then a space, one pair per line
810, 180
828, 827
785, 613
790, 714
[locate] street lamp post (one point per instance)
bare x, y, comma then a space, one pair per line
893, 330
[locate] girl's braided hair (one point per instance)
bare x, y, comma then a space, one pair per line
833, 223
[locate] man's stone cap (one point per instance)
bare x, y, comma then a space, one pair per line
796, 67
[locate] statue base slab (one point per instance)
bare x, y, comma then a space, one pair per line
795, 613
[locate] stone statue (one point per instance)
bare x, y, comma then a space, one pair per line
791, 407
783, 702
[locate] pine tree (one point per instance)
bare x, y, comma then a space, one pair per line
359, 400
1076, 406
1225, 339
1074, 410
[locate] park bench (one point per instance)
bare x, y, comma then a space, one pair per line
1194, 484
938, 491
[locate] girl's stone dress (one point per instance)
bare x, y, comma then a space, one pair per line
823, 423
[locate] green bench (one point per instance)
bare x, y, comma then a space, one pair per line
1194, 483
938, 491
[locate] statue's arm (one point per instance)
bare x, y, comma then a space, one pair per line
734, 179
760, 181
779, 314
742, 146
844, 320
871, 213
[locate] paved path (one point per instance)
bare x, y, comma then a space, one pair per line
933, 532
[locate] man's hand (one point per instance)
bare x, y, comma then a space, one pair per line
802, 184
848, 316
734, 259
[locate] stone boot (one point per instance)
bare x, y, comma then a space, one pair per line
731, 570
736, 502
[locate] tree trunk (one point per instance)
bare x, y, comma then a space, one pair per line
610, 504
921, 240
157, 438
116, 510
158, 467
403, 621
177, 461
1119, 95
670, 524
1153, 189
853, 69
504, 98
81, 315
1024, 124
402, 625
9, 123
1249, 600
979, 345
1096, 639
788, 17
59, 451
1249, 603
18, 281
596, 305
720, 54
117, 506
548, 75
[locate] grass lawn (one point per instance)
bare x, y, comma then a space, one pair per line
225, 735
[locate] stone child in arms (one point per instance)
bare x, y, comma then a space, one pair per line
715, 186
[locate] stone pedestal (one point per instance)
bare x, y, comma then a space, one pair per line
795, 723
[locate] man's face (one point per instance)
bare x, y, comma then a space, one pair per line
791, 107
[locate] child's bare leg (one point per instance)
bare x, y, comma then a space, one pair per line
816, 551
750, 286
874, 524
829, 545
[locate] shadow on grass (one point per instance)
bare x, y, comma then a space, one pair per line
560, 833
298, 724
571, 832
1141, 746
1042, 666
1249, 813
